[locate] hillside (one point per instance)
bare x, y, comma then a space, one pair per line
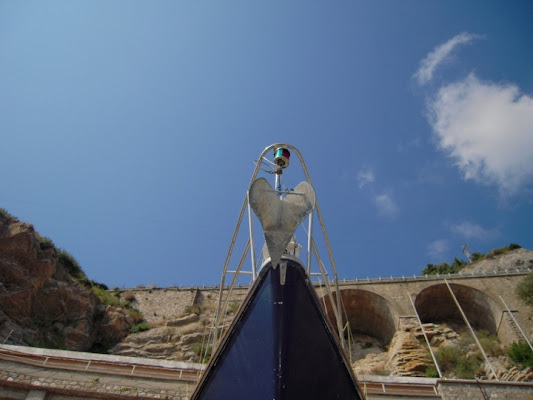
46, 299
507, 261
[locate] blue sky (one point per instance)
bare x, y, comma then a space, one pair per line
129, 129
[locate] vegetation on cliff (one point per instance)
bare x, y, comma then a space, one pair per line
48, 300
521, 354
457, 264
99, 290
444, 268
525, 289
462, 359
5, 215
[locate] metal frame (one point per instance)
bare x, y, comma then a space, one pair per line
311, 248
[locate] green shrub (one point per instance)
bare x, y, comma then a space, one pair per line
524, 290
447, 357
140, 327
468, 367
490, 343
457, 264
113, 299
202, 350
521, 354
7, 216
46, 243
431, 372
102, 286
71, 265
444, 268
105, 297
502, 250
434, 269
135, 315
453, 360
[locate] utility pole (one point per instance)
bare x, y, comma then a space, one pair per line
467, 253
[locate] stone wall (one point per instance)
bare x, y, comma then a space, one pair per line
375, 310
16, 381
159, 305
27, 373
482, 390
388, 298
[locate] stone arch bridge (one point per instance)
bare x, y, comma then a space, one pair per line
378, 307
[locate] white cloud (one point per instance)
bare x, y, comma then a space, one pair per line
429, 64
386, 205
438, 248
365, 176
488, 129
470, 230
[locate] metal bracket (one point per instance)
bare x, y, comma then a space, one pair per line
282, 272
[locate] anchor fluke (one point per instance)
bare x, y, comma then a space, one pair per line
280, 216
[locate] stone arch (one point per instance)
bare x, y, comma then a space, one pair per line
367, 313
435, 304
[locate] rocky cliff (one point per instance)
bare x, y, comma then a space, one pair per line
457, 355
42, 303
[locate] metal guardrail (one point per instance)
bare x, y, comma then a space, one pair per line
176, 288
100, 366
398, 389
426, 277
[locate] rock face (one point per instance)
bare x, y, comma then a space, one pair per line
182, 340
41, 305
408, 355
181, 335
